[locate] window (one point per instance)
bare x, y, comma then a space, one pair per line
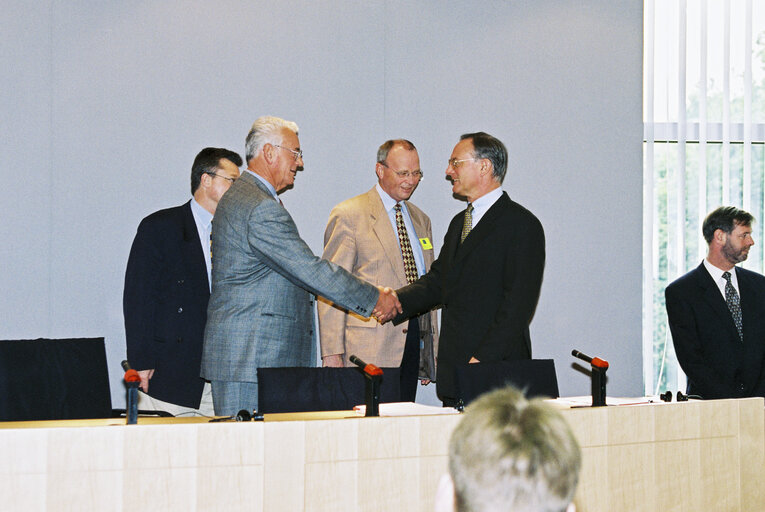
704, 140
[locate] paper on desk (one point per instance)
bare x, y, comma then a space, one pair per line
586, 401
407, 409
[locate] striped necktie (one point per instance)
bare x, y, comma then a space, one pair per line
410, 267
468, 225
734, 305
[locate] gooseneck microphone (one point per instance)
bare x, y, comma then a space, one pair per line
598, 369
594, 361
368, 369
373, 377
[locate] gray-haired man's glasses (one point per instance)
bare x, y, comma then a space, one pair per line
298, 153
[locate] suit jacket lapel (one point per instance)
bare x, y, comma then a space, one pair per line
384, 232
749, 296
714, 298
483, 229
420, 231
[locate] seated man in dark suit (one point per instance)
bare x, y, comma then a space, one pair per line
167, 287
716, 313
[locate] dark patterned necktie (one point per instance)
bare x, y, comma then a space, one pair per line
468, 225
410, 267
734, 305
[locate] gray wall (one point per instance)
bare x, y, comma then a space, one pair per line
105, 104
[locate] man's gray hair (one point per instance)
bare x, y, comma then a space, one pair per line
266, 130
510, 453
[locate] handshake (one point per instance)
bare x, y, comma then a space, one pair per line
387, 305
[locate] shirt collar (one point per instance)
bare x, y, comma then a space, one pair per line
265, 182
488, 199
717, 273
203, 216
388, 202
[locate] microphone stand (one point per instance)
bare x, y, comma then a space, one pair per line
132, 381
373, 376
598, 368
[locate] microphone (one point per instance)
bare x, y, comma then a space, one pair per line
130, 374
594, 361
598, 368
132, 380
373, 377
369, 369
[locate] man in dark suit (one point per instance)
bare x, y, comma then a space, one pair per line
167, 286
716, 313
261, 311
488, 275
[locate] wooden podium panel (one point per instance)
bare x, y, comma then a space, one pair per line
677, 456
680, 456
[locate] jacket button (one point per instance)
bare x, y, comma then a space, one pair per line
405, 331
180, 281
180, 310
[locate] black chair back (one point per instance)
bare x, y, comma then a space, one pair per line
46, 379
535, 377
319, 389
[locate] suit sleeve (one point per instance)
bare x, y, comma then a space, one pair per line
682, 324
339, 248
140, 298
521, 284
274, 236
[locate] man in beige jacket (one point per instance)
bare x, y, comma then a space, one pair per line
382, 238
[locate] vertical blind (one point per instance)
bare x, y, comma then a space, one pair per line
704, 129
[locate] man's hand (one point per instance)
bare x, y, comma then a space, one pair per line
145, 375
333, 361
387, 305
473, 360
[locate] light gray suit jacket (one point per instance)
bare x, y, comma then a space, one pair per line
260, 311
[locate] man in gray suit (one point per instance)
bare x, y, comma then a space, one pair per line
260, 311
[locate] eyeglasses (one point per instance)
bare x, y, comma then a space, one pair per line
232, 180
405, 174
454, 163
298, 153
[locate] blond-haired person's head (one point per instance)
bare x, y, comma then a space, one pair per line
510, 454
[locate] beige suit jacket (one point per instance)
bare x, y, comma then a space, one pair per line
359, 237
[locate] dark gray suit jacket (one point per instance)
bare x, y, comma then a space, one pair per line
708, 348
260, 312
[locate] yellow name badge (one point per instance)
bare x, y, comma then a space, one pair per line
425, 243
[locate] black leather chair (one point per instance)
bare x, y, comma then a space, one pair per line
535, 377
319, 389
46, 379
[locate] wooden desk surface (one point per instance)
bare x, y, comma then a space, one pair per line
154, 420
679, 456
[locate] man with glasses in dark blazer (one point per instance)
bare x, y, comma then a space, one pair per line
167, 286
